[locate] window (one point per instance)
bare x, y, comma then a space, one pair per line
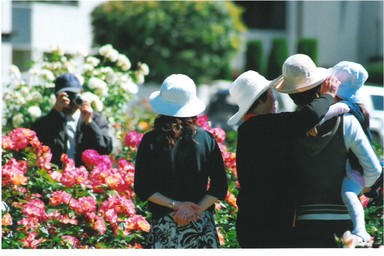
62, 2
264, 14
378, 102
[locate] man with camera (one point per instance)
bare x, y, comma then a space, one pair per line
72, 126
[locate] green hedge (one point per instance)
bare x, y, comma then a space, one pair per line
277, 56
254, 56
309, 46
375, 72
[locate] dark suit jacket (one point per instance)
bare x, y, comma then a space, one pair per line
50, 131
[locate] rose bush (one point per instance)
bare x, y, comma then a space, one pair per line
92, 206
85, 207
109, 85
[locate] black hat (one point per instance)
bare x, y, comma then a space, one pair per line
67, 83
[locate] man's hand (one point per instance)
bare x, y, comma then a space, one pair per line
62, 102
86, 112
330, 86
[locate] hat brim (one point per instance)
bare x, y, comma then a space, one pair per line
69, 89
320, 76
194, 106
244, 108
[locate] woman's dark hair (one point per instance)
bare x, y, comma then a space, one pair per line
365, 112
304, 98
262, 98
172, 129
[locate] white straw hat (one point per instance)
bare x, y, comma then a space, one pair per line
352, 77
245, 90
177, 97
300, 74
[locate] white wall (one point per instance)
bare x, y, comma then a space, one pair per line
370, 36
68, 26
335, 25
6, 28
40, 26
6, 16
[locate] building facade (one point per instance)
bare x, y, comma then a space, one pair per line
345, 30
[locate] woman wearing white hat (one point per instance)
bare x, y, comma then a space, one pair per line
318, 163
179, 170
265, 203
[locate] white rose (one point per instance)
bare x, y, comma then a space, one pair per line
19, 98
57, 65
88, 67
102, 91
98, 85
94, 83
88, 96
144, 69
92, 61
98, 104
14, 72
112, 55
17, 120
34, 111
140, 78
105, 49
123, 62
24, 90
34, 96
69, 66
52, 99
94, 100
111, 78
47, 75
4, 207
106, 70
129, 86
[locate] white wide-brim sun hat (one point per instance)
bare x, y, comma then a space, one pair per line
245, 90
300, 74
177, 97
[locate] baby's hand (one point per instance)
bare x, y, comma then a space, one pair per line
313, 132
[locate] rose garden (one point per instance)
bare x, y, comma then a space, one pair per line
94, 206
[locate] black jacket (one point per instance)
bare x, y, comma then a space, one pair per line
265, 199
50, 131
182, 173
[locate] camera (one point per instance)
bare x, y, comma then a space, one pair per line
75, 98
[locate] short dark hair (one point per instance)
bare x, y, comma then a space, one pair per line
262, 98
304, 98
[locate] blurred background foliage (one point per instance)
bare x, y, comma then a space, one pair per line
196, 38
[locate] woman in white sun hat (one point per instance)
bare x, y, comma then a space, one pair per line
265, 206
179, 170
318, 163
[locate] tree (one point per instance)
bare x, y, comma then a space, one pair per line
195, 38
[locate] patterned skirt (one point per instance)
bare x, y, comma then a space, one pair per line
165, 233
